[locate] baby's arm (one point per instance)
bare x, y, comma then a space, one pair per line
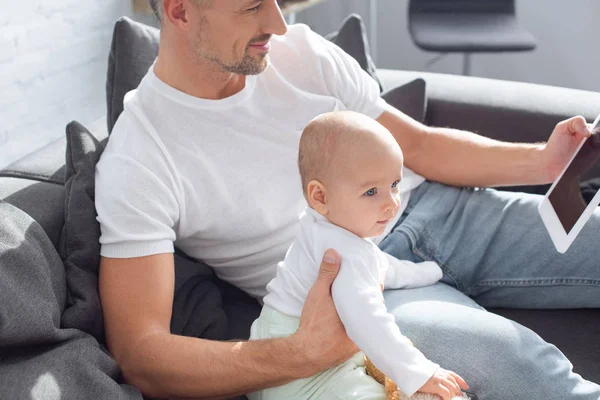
359, 303
403, 274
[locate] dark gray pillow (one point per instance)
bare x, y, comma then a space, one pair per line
352, 38
410, 98
39, 359
133, 50
79, 244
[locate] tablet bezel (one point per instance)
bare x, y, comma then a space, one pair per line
561, 239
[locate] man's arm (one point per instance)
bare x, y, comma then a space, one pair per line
137, 299
463, 158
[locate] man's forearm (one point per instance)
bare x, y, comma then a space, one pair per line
466, 159
170, 366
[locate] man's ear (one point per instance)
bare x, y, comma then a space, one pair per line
176, 12
317, 197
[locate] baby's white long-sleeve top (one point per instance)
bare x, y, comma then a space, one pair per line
356, 293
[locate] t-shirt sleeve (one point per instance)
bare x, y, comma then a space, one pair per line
343, 78
137, 209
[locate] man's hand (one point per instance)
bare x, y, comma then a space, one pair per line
445, 384
321, 336
562, 143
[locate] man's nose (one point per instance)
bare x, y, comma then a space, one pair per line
273, 22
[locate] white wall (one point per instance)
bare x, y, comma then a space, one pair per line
53, 60
567, 34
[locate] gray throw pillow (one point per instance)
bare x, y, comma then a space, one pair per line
133, 50
410, 98
352, 38
79, 244
38, 358
32, 282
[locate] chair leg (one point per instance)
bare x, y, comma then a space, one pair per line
467, 64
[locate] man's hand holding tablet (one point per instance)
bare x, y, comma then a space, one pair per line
563, 210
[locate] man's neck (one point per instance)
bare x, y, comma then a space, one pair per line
196, 78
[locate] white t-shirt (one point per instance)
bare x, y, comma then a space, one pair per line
356, 293
219, 178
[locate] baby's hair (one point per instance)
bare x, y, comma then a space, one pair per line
317, 147
333, 135
340, 134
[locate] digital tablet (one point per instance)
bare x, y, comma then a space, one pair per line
563, 209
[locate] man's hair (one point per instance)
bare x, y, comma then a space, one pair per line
158, 8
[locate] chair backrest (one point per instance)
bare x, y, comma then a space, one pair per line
462, 6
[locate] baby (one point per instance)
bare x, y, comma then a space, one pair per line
350, 167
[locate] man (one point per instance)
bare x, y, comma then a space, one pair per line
204, 155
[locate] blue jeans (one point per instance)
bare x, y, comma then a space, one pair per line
495, 252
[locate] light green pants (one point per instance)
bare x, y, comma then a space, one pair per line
347, 381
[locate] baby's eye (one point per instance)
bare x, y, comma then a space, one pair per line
371, 192
395, 184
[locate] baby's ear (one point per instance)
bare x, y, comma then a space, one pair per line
317, 197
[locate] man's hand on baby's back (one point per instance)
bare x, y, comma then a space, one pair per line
445, 384
321, 336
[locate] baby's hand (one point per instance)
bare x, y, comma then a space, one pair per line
445, 384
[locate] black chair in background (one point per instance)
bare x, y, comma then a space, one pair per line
467, 26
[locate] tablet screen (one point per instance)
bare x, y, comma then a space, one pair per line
566, 198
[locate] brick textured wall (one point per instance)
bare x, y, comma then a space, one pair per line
53, 58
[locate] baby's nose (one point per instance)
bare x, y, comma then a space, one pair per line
392, 203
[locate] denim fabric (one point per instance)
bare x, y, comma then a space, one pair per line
495, 252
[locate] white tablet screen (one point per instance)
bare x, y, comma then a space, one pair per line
566, 198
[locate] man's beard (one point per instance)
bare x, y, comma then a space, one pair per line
248, 66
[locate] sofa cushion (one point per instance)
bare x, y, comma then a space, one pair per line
135, 47
79, 242
40, 360
410, 98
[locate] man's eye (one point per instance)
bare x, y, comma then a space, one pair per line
254, 8
371, 192
395, 184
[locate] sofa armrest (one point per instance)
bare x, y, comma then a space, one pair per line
43, 165
503, 110
47, 164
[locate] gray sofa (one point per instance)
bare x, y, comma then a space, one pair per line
504, 110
